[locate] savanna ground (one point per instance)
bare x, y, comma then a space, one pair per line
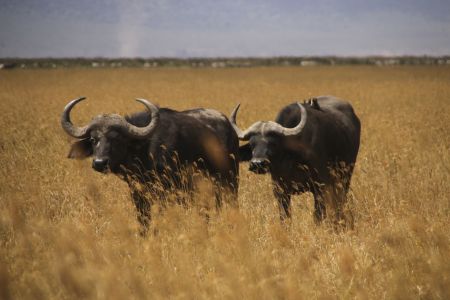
69, 232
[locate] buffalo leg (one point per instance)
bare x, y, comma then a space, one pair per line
226, 190
319, 207
284, 202
231, 192
143, 210
141, 203
344, 215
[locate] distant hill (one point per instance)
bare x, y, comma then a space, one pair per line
29, 63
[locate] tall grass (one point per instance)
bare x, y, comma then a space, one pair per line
69, 232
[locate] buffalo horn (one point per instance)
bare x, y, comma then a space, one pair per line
268, 126
76, 132
144, 132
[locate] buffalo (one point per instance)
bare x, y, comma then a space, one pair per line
162, 150
311, 147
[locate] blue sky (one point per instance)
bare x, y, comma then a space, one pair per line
194, 28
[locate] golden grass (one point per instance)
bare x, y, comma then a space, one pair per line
69, 232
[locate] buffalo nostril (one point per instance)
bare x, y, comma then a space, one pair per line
259, 165
265, 163
99, 164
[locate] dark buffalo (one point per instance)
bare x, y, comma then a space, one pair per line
310, 147
160, 149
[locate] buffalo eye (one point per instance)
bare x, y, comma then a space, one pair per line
93, 140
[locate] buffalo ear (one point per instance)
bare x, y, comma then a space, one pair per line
80, 149
245, 152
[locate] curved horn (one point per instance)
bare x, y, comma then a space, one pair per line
76, 132
236, 128
144, 132
270, 126
243, 135
297, 129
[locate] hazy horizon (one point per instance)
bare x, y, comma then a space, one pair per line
231, 29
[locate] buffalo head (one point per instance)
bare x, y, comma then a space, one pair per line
107, 137
266, 141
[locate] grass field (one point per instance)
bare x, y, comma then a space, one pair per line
68, 232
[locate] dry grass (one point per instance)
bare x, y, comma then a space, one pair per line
68, 232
